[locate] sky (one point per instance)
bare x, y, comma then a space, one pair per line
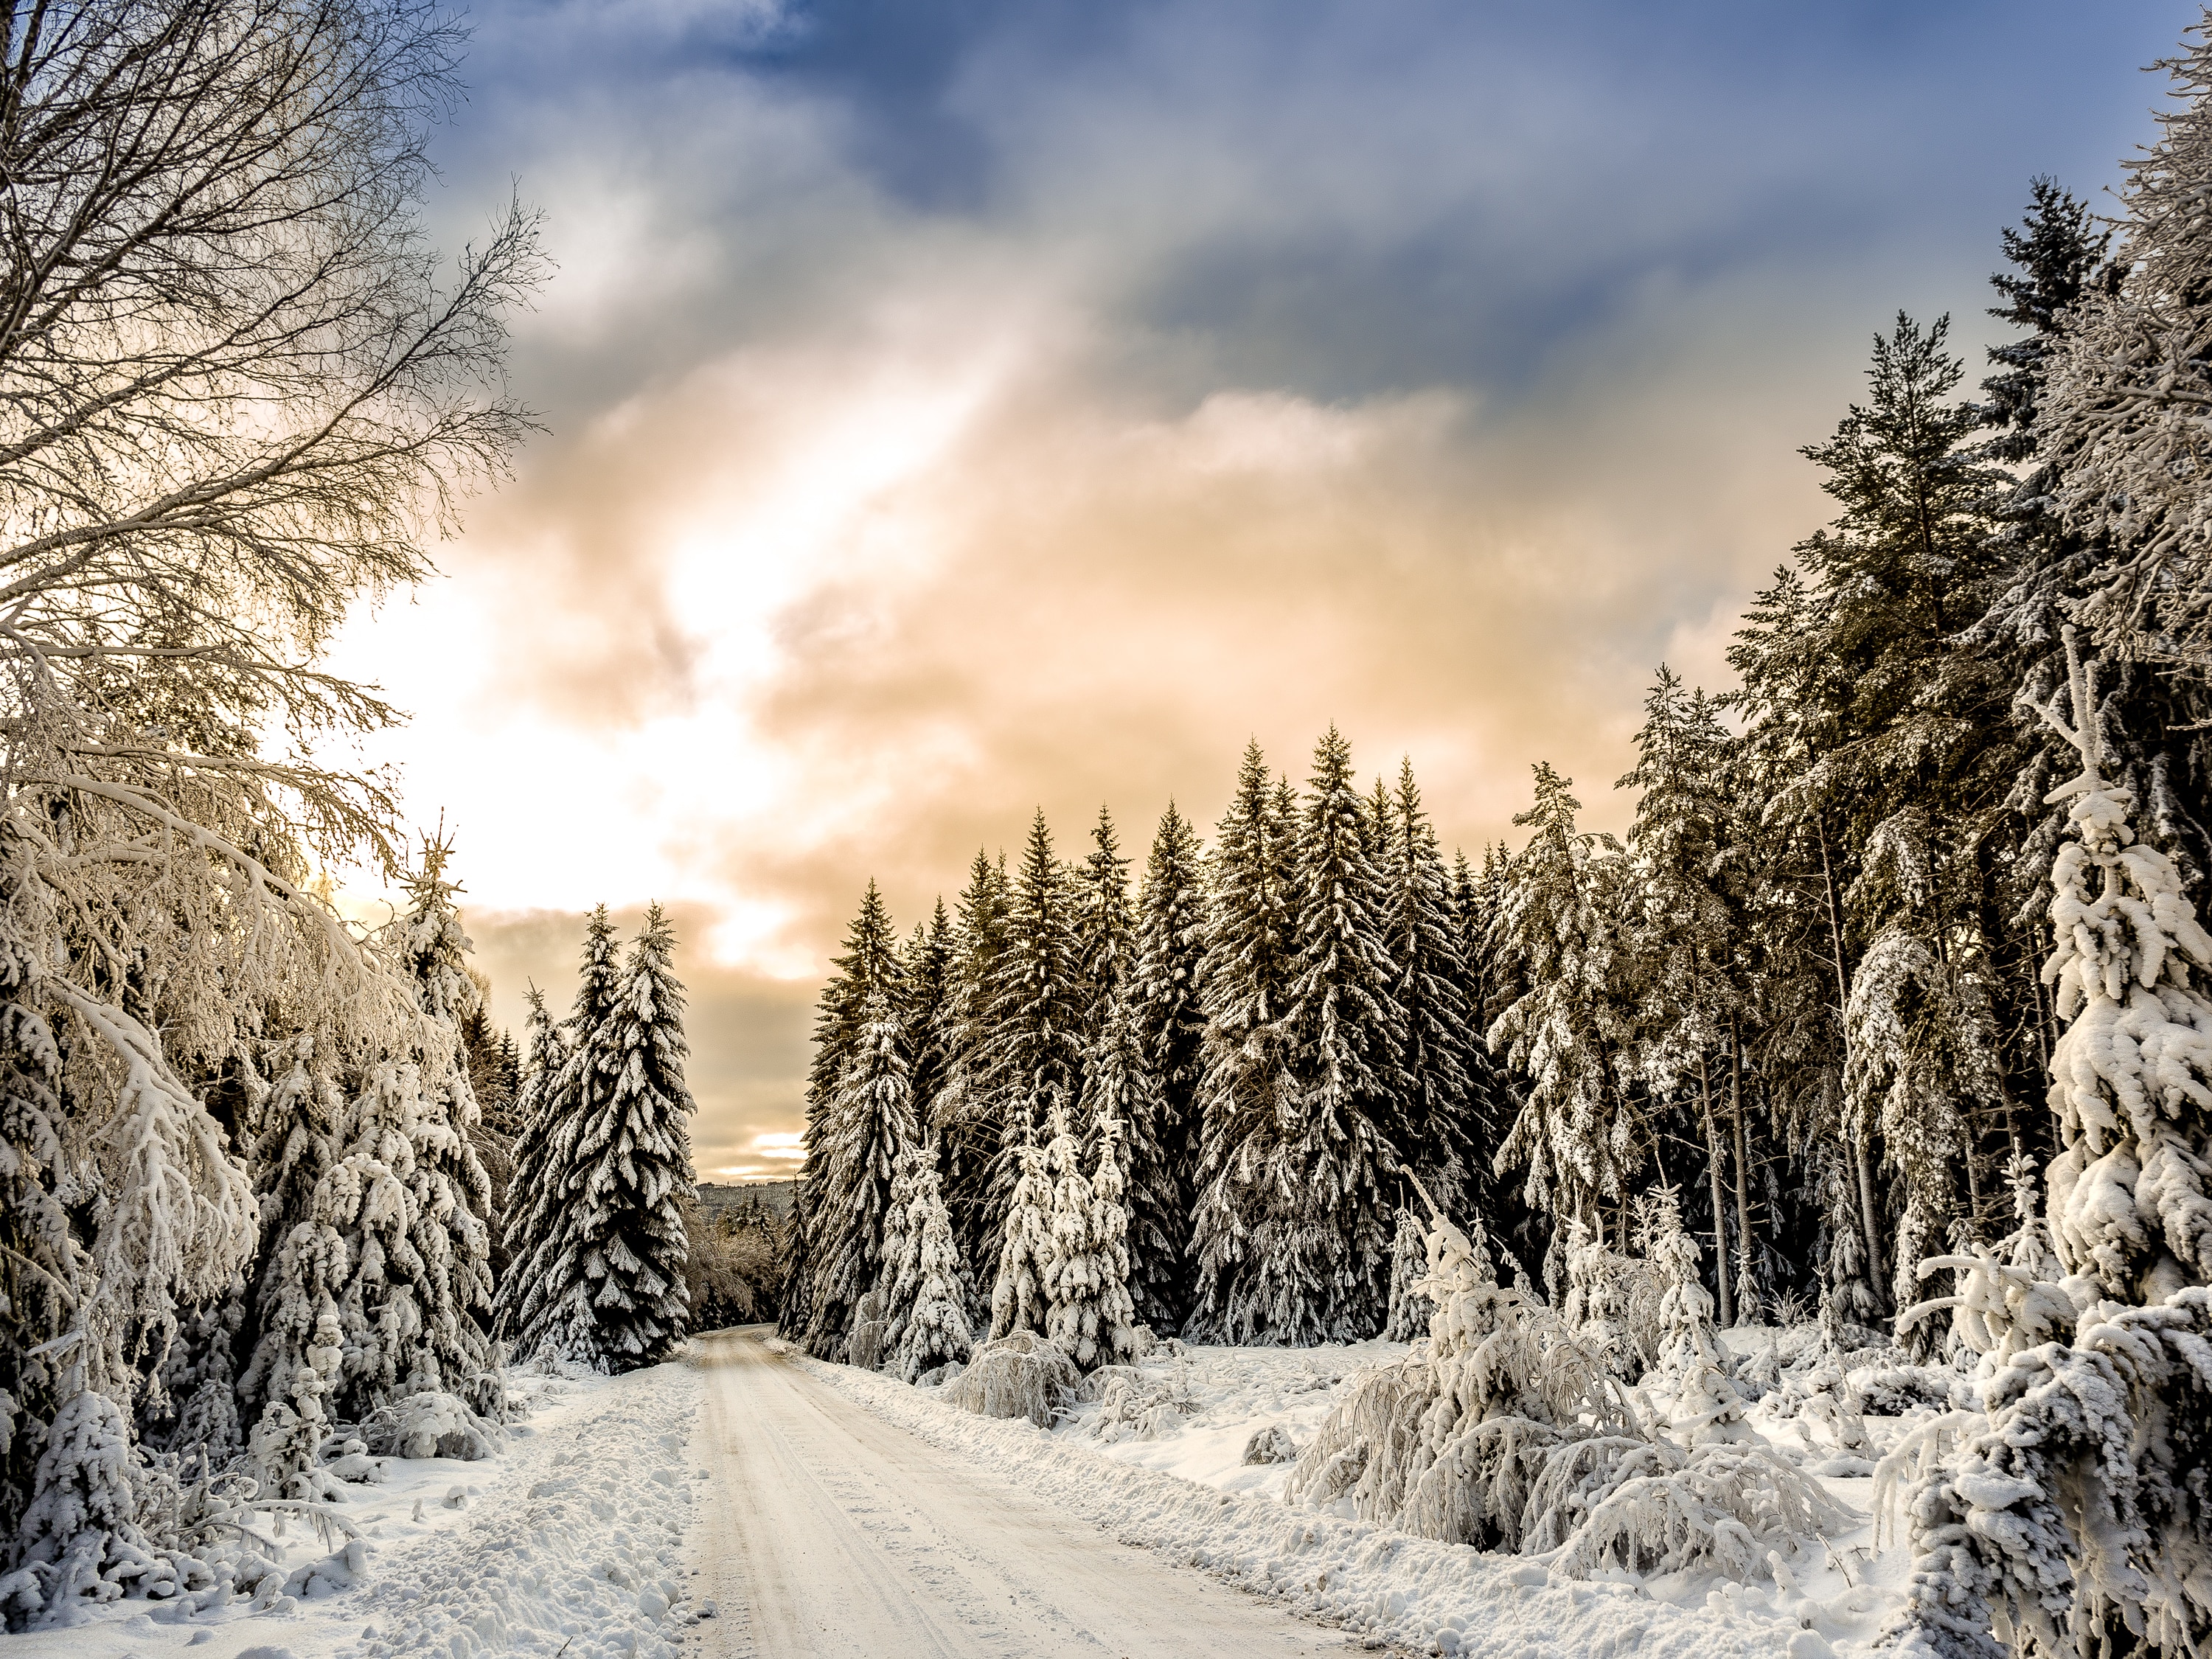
958, 409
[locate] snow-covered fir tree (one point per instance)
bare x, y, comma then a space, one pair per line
1446, 1137
854, 1157
963, 1113
868, 970
1089, 1312
930, 1292
1037, 1013
2076, 1509
1120, 1086
1410, 1308
453, 1194
551, 1312
1018, 1298
1166, 1004
538, 1164
1346, 1033
1557, 943
1105, 921
632, 1161
1246, 1100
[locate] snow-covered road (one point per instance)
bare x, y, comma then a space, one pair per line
827, 1531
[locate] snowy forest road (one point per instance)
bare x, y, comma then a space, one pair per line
827, 1532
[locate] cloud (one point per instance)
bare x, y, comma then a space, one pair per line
964, 408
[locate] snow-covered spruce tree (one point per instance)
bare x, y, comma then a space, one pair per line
1557, 949
1037, 1014
1105, 923
2078, 1514
1088, 1311
1245, 1098
1165, 1001
550, 1313
1703, 1406
900, 1277
868, 968
869, 1124
538, 1161
1018, 1299
932, 1328
1410, 1307
1689, 994
1346, 1033
631, 1162
928, 967
452, 1194
962, 1115
1119, 1086
1441, 1110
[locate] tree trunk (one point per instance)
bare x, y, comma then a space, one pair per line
1714, 1156
1868, 1215
1742, 1158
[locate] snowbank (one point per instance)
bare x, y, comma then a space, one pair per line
569, 1539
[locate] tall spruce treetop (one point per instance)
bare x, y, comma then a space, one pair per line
1249, 934
929, 965
633, 1162
455, 1191
1689, 981
1246, 1289
2058, 255
868, 966
1038, 1014
1165, 1006
1347, 1032
1105, 923
1171, 945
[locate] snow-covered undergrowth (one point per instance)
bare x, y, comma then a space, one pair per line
1156, 1456
564, 1543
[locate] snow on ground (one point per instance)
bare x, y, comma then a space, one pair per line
1158, 1461
568, 1543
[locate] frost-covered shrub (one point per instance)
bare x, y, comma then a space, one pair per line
865, 1348
1271, 1442
1019, 1374
1505, 1430
432, 1425
1410, 1310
